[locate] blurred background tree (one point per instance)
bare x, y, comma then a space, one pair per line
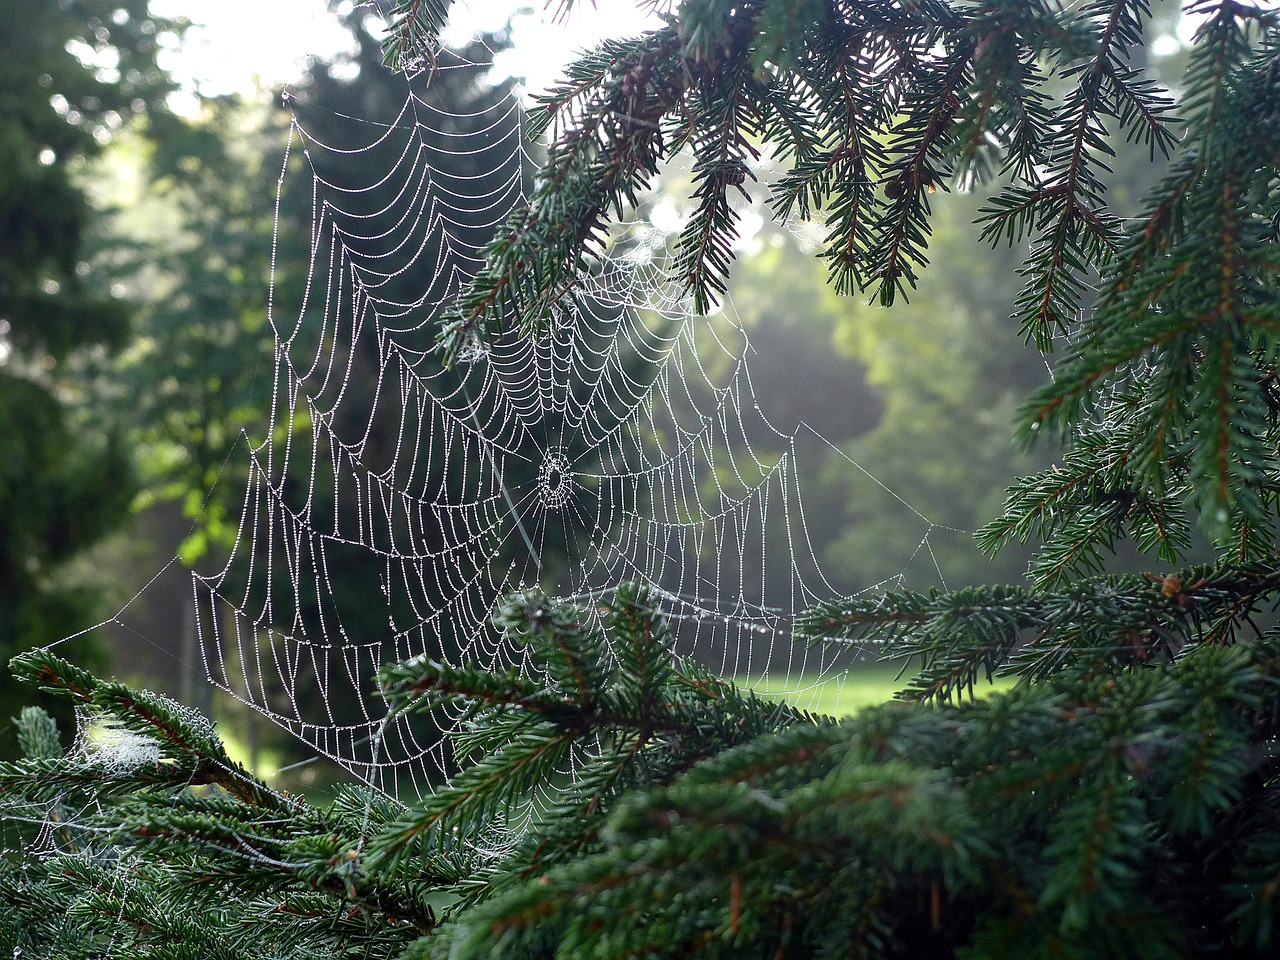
73, 73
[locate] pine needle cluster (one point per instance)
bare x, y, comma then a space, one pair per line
1121, 799
147, 837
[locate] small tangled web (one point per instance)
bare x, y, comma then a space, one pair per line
391, 501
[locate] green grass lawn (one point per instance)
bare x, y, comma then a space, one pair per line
840, 694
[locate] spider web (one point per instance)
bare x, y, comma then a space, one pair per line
624, 441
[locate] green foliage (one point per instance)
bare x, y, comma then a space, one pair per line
181, 849
615, 707
1115, 807
1183, 330
37, 735
867, 145
940, 451
1120, 800
974, 633
413, 30
65, 470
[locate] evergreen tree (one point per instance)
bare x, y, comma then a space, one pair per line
71, 73
1120, 800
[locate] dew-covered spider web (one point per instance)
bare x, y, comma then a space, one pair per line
391, 502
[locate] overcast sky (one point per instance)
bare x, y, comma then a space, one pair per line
240, 40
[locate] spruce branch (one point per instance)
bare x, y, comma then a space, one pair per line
868, 145
918, 167
180, 734
911, 842
606, 152
1074, 232
622, 709
37, 734
1096, 625
413, 32
146, 821
1188, 317
1081, 507
721, 141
